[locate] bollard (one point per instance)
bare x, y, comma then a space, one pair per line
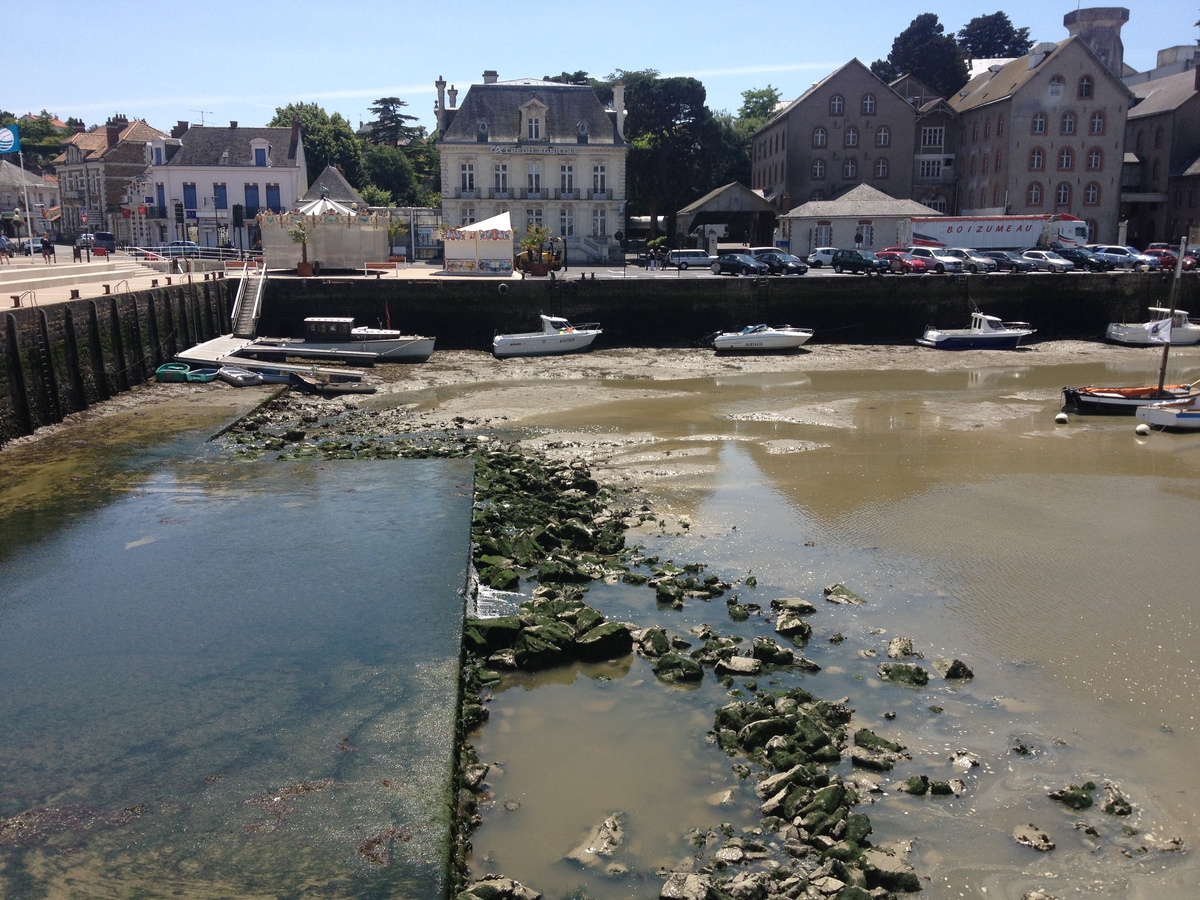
153, 282
108, 288
16, 299
74, 293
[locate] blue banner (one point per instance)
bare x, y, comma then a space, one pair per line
10, 139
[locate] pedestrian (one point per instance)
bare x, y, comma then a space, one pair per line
3, 250
47, 248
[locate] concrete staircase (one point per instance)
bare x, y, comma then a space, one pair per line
68, 280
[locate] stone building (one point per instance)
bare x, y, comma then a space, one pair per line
546, 153
95, 172
1044, 134
849, 128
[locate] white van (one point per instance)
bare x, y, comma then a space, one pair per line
681, 259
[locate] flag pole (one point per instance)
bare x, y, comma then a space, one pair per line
28, 211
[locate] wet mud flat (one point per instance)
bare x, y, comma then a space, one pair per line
738, 841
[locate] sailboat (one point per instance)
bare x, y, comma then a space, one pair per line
1127, 400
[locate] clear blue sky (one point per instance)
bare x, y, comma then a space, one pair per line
216, 60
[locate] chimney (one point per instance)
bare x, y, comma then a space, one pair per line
1196, 81
1039, 52
181, 127
1100, 28
295, 132
233, 123
619, 107
453, 93
112, 134
440, 84
490, 76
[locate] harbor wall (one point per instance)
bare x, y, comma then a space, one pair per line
62, 358
465, 313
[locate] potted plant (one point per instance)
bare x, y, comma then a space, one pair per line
535, 238
300, 233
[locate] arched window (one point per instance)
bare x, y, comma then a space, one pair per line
1036, 159
1095, 159
1056, 86
936, 202
883, 137
995, 195
868, 104
837, 104
998, 160
851, 137
1062, 195
1038, 125
1091, 194
1154, 172
1068, 123
983, 169
1033, 196
881, 168
1000, 126
850, 169
1066, 159
1092, 228
1140, 143
1085, 87
818, 168
817, 195
1158, 138
987, 130
819, 137
1096, 125
975, 132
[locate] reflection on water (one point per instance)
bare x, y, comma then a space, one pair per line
237, 686
1054, 559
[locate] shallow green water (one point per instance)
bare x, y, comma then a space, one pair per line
238, 679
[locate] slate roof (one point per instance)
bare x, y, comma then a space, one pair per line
781, 112
499, 106
735, 196
204, 145
1163, 94
333, 185
861, 200
12, 176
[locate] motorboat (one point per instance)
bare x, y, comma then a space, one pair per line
334, 335
986, 333
239, 377
1180, 415
1183, 331
172, 372
557, 336
1122, 400
760, 338
202, 376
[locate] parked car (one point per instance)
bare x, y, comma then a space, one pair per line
860, 261
738, 264
681, 259
175, 249
104, 240
973, 261
902, 262
756, 252
1166, 258
85, 240
1010, 261
780, 263
1084, 259
937, 259
822, 256
1123, 257
1048, 261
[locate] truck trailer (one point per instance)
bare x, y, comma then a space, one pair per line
993, 232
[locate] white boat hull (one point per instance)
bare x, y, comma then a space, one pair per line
537, 343
1184, 332
406, 348
769, 339
1183, 415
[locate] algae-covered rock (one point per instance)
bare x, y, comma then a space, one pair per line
654, 642
1032, 836
888, 870
771, 652
793, 625
903, 673
902, 648
798, 605
1074, 796
496, 887
738, 665
675, 668
601, 842
1115, 802
484, 636
607, 641
953, 669
839, 593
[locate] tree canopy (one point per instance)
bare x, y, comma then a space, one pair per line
993, 37
925, 51
328, 140
390, 125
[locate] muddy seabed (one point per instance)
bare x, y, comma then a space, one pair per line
1053, 559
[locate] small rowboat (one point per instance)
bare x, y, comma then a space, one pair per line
1179, 415
239, 377
172, 372
203, 376
1122, 400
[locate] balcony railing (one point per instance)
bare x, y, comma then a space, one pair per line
565, 194
531, 194
599, 195
464, 194
501, 194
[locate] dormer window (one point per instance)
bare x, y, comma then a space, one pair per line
533, 120
481, 131
581, 130
260, 150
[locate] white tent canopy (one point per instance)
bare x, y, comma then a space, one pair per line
484, 248
323, 206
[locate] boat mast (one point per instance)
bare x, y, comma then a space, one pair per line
1162, 369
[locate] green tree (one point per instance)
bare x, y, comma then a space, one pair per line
390, 125
375, 196
389, 169
993, 37
758, 105
328, 140
926, 52
579, 77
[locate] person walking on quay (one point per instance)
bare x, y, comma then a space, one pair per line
3, 250
47, 248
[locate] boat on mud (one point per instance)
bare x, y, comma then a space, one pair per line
557, 336
330, 336
985, 333
1184, 331
760, 338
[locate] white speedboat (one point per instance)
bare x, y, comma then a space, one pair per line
333, 335
1181, 415
238, 376
985, 333
760, 338
557, 336
1144, 334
